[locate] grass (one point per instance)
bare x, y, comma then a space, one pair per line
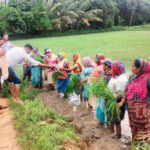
119, 45
38, 127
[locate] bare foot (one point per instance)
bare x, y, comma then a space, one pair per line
19, 101
14, 100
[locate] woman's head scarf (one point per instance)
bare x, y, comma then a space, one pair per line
62, 55
100, 57
87, 62
118, 68
137, 88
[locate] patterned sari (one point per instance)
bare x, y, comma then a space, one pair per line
138, 103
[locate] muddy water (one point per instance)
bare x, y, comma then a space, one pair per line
97, 137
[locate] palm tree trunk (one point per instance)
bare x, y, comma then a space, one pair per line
131, 19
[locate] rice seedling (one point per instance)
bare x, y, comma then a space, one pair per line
73, 85
56, 75
40, 59
99, 89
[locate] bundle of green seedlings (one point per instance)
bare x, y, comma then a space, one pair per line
99, 89
73, 85
39, 58
56, 75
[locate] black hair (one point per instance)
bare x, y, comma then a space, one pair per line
107, 65
137, 63
45, 49
29, 46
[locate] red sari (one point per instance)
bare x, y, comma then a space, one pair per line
139, 104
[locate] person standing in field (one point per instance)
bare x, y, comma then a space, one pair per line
77, 67
14, 56
51, 59
26, 67
3, 66
7, 44
36, 71
138, 100
101, 110
95, 75
107, 75
63, 80
117, 86
88, 67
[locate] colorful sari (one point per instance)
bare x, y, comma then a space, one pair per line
138, 103
77, 64
63, 81
95, 75
49, 72
88, 67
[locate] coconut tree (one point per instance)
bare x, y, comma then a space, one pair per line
83, 14
58, 13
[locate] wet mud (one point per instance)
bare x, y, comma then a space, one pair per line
93, 135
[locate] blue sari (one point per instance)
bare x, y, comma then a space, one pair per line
62, 84
36, 73
86, 73
101, 111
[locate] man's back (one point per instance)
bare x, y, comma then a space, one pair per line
15, 56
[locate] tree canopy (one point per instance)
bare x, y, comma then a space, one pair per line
36, 16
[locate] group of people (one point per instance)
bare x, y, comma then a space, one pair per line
132, 94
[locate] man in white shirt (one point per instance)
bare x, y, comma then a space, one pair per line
7, 44
14, 56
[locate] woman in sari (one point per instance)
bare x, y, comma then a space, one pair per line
101, 110
63, 81
95, 75
138, 92
36, 72
88, 67
51, 59
117, 86
77, 67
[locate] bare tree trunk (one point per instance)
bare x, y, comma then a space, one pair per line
131, 19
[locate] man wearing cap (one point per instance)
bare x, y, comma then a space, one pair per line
14, 56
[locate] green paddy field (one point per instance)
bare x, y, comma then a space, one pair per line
119, 45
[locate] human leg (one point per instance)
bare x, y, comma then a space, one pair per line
14, 84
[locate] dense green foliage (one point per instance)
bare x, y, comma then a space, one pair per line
38, 16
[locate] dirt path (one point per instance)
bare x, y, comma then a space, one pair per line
96, 137
8, 139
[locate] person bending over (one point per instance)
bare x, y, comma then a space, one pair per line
14, 56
